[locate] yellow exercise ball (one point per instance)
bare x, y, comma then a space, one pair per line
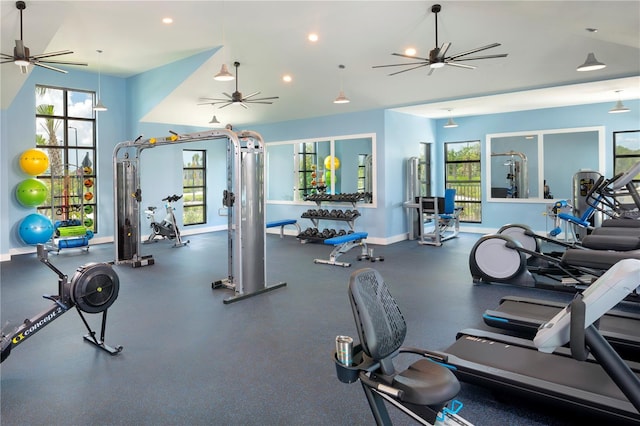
331, 160
34, 161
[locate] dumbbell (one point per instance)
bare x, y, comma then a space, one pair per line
341, 214
334, 213
348, 214
342, 232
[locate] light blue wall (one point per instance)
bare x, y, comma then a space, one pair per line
397, 138
496, 214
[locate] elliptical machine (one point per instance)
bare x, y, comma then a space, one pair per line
167, 229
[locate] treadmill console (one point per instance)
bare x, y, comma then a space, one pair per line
606, 292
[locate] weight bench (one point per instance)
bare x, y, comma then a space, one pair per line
343, 244
282, 223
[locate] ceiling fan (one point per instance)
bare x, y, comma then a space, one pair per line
237, 98
22, 57
437, 58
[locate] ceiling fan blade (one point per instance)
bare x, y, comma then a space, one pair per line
227, 95
408, 69
400, 65
225, 105
443, 50
5, 56
454, 64
82, 64
409, 56
47, 55
471, 58
251, 95
49, 67
259, 102
243, 105
479, 49
431, 70
7, 60
261, 99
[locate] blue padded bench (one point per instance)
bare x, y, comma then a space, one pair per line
343, 244
282, 223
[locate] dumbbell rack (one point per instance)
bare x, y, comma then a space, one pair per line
337, 215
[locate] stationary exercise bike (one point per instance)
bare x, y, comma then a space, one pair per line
167, 229
92, 289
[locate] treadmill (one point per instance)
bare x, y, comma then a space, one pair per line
525, 315
543, 370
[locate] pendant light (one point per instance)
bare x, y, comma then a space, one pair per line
99, 106
214, 120
591, 64
341, 99
450, 124
224, 74
619, 107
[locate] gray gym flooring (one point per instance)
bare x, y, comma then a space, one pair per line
189, 359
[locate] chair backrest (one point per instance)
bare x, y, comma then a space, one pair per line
449, 200
381, 326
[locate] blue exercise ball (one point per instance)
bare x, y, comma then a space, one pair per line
35, 229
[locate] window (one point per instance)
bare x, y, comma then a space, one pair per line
626, 151
194, 186
308, 180
424, 169
463, 173
65, 130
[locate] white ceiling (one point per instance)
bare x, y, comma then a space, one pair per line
545, 40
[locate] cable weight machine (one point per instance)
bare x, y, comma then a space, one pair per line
244, 199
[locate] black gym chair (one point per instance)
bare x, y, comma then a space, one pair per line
423, 390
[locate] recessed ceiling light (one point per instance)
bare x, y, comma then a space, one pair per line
167, 20
313, 37
286, 78
410, 51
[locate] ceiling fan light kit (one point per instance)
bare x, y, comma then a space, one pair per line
437, 56
22, 56
591, 64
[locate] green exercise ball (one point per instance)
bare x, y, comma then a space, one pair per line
31, 192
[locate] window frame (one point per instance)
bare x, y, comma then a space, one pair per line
89, 206
460, 199
188, 205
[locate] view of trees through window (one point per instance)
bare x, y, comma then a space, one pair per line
463, 173
424, 169
308, 179
626, 151
65, 130
194, 186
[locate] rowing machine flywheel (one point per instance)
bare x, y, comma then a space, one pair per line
94, 287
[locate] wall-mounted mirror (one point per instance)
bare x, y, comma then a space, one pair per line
337, 165
537, 165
